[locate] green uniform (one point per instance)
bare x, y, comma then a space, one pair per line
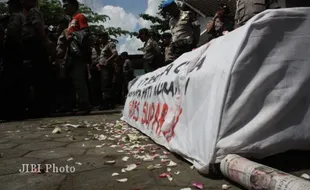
151, 55
36, 66
13, 102
185, 32
107, 74
246, 9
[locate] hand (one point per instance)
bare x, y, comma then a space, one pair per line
69, 38
225, 32
89, 76
98, 67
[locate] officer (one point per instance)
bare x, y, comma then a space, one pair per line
36, 49
246, 9
96, 93
79, 54
128, 72
151, 51
184, 27
66, 89
12, 65
166, 39
106, 66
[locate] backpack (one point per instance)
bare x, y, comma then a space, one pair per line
80, 46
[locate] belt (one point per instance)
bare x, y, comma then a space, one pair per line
181, 43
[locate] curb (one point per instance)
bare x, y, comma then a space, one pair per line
106, 112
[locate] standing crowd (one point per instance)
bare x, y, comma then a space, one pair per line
63, 70
71, 70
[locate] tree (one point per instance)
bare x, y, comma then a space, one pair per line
3, 9
53, 12
160, 23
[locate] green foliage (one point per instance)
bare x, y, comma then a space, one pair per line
159, 24
52, 11
3, 9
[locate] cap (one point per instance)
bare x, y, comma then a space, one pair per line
125, 54
166, 3
142, 31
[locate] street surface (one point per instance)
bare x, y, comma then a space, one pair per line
96, 149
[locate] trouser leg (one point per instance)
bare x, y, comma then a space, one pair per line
80, 86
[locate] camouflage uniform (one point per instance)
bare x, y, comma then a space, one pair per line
95, 78
169, 58
184, 36
13, 105
151, 55
78, 59
246, 9
128, 72
66, 89
107, 74
36, 62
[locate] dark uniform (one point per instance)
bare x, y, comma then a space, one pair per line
118, 80
107, 74
246, 9
169, 58
184, 33
66, 89
36, 63
128, 72
151, 55
77, 64
12, 97
95, 78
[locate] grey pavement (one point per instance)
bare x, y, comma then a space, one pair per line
89, 149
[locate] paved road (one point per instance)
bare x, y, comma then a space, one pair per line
90, 150
32, 142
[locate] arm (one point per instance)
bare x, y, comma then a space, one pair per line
61, 48
112, 48
14, 27
38, 23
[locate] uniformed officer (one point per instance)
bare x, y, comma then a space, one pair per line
246, 9
36, 49
77, 59
106, 66
66, 88
12, 64
184, 27
166, 39
128, 72
151, 51
96, 93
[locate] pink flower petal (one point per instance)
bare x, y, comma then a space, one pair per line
164, 175
198, 185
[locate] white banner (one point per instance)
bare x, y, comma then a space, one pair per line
246, 92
